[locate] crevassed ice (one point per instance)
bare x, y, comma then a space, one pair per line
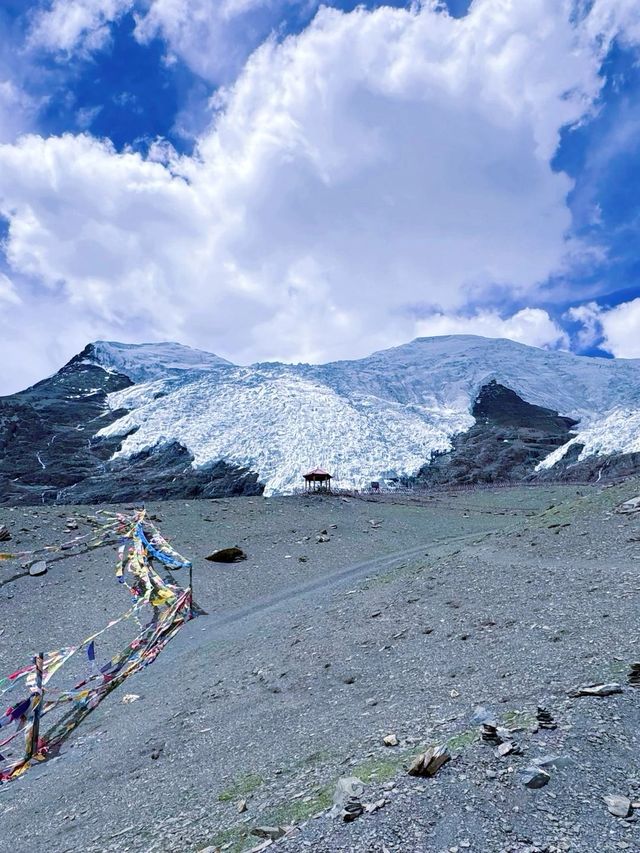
379, 416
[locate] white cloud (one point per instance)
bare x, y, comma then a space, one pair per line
213, 39
8, 292
616, 330
70, 26
17, 109
379, 160
531, 326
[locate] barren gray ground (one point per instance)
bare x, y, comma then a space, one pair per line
300, 669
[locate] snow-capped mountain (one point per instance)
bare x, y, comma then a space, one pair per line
145, 362
186, 418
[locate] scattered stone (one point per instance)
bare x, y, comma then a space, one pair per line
534, 777
634, 675
270, 832
630, 506
346, 798
508, 747
302, 559
370, 808
489, 733
349, 679
597, 690
618, 806
128, 698
241, 806
322, 538
227, 555
5, 534
545, 720
390, 740
428, 763
39, 568
353, 808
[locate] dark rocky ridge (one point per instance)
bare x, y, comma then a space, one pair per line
508, 440
49, 452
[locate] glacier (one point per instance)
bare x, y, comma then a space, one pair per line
366, 419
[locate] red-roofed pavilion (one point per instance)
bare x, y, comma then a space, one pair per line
318, 480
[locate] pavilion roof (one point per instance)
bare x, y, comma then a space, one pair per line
317, 472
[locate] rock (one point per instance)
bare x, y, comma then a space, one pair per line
534, 777
489, 733
428, 763
5, 534
241, 806
227, 555
370, 808
346, 798
302, 559
634, 675
390, 740
545, 720
128, 698
597, 690
270, 832
39, 568
322, 538
353, 808
508, 747
618, 806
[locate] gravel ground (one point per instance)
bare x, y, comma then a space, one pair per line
506, 599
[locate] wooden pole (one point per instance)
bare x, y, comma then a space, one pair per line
37, 711
191, 588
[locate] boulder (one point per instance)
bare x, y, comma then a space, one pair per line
39, 568
428, 763
618, 806
227, 555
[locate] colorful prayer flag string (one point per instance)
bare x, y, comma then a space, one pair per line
171, 608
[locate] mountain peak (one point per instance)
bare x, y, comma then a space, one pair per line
145, 362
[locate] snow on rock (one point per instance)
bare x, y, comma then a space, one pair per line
616, 432
145, 362
363, 420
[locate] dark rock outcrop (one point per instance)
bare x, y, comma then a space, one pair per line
508, 440
50, 451
47, 432
161, 473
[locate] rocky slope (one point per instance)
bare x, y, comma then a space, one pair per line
131, 422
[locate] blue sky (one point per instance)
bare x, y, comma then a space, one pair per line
267, 179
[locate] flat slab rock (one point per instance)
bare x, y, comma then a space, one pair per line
39, 568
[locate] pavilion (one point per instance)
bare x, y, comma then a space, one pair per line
317, 480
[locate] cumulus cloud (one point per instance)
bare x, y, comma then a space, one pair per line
615, 330
377, 161
213, 38
76, 26
531, 326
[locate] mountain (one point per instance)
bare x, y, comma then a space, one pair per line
129, 422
